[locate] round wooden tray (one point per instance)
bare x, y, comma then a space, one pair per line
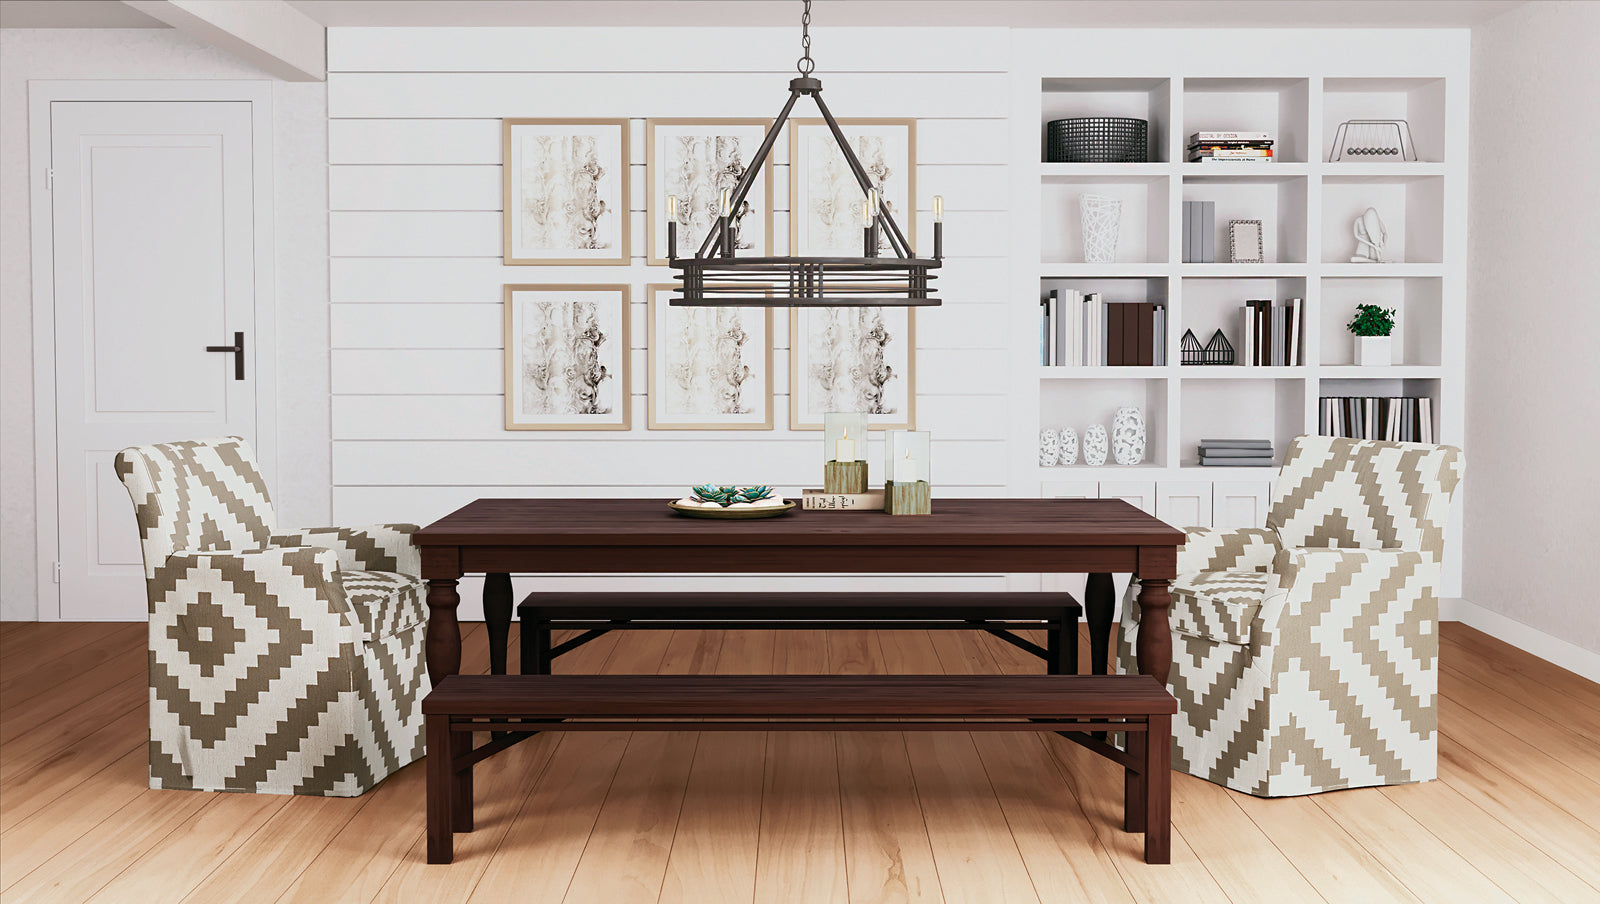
735, 514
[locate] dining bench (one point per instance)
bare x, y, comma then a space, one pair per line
1072, 704
999, 613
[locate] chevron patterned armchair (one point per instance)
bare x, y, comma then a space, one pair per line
1305, 653
280, 663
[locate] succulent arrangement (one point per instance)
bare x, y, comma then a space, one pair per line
1371, 320
725, 495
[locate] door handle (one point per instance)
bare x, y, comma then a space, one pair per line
237, 348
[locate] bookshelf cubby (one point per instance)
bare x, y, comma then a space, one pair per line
1299, 92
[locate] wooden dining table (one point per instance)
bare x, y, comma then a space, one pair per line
501, 537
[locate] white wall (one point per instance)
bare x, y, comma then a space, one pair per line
1533, 363
300, 203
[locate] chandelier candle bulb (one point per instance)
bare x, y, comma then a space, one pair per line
938, 227
672, 226
844, 436
908, 491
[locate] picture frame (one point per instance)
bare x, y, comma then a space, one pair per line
696, 374
853, 359
824, 197
1244, 242
694, 159
565, 191
567, 357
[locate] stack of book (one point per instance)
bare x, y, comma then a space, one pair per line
1230, 147
1082, 329
1199, 232
1236, 453
1405, 419
1274, 335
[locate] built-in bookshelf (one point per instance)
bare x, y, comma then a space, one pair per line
1307, 204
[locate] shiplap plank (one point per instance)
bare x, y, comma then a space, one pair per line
435, 417
481, 371
581, 460
475, 95
432, 278
455, 233
456, 142
650, 50
964, 186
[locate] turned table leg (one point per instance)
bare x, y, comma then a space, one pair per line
497, 618
444, 632
1099, 604
1155, 633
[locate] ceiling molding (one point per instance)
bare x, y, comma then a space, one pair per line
269, 34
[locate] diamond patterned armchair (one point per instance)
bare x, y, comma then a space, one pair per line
279, 663
1305, 653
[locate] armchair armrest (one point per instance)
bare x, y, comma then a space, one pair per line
288, 587
1240, 549
1401, 582
378, 547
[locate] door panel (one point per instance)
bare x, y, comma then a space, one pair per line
1240, 504
1184, 503
154, 252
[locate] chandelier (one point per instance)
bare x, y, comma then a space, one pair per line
715, 277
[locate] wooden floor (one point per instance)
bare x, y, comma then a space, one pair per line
750, 817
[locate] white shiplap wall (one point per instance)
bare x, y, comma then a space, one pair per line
414, 237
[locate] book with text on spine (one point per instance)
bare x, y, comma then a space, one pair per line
821, 500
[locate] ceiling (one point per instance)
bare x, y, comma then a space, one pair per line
659, 13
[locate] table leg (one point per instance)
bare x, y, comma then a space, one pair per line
1135, 782
497, 618
1158, 791
1099, 604
1155, 632
444, 632
441, 843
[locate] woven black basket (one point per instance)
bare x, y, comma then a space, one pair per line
1097, 139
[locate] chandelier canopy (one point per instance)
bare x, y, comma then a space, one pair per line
715, 277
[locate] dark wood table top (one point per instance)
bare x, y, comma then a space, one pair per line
649, 522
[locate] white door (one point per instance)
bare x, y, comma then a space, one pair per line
153, 213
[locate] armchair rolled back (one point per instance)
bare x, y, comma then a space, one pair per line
1342, 493
197, 496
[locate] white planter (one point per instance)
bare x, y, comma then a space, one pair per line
1095, 445
1127, 436
1374, 351
1069, 446
1049, 447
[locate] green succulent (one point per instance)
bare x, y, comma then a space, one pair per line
726, 495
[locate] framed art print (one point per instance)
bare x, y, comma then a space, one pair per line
566, 351
710, 367
1244, 242
824, 197
694, 160
566, 191
853, 359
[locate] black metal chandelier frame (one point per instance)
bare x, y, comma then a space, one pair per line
715, 277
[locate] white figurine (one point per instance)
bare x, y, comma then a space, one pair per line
1370, 238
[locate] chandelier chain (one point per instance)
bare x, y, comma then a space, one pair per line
805, 64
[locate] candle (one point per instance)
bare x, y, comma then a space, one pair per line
727, 203
845, 448
938, 208
872, 201
672, 207
866, 213
905, 470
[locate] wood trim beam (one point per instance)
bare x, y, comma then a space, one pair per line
269, 34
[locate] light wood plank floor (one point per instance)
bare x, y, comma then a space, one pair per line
793, 817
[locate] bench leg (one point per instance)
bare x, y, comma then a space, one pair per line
441, 845
1158, 791
460, 783
529, 637
1063, 645
1133, 782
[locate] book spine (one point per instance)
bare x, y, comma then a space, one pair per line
1232, 152
1045, 333
1208, 232
1232, 160
1058, 325
1228, 136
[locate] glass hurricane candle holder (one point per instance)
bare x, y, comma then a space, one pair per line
844, 452
906, 489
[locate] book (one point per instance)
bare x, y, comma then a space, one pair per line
1230, 152
1263, 444
1046, 334
1191, 232
1236, 462
1228, 136
1058, 324
1230, 160
1229, 145
820, 500
1211, 452
1208, 232
1296, 331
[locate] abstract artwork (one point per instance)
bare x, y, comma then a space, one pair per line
566, 352
710, 367
695, 160
825, 200
852, 359
566, 191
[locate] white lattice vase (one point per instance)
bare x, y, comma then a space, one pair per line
1069, 446
1102, 219
1095, 445
1127, 436
1049, 447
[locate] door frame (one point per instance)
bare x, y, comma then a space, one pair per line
41, 94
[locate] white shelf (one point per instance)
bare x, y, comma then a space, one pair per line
1391, 271
1243, 271
1054, 372
1104, 271
1105, 172
1380, 172
1242, 372
1244, 172
1392, 372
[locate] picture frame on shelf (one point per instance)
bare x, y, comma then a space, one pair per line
853, 359
1245, 242
565, 191
695, 160
567, 357
824, 198
709, 368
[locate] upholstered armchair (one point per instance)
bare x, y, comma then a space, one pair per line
280, 663
1305, 653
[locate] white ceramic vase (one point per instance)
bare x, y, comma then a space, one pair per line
1095, 445
1374, 351
1127, 436
1069, 446
1049, 447
1101, 219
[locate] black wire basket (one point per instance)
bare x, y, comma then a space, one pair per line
1097, 139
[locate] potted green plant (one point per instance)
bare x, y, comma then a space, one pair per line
1372, 326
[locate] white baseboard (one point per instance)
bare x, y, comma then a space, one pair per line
1551, 649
